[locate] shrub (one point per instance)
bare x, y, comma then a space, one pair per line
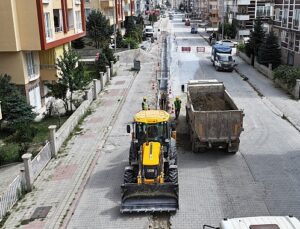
287, 75
132, 42
78, 43
9, 153
241, 47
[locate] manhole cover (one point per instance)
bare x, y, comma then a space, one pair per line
40, 212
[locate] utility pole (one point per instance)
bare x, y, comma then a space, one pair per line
223, 9
115, 24
0, 111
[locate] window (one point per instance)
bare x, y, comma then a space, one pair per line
71, 19
32, 69
87, 1
283, 35
48, 30
263, 11
78, 21
284, 16
58, 20
77, 2
35, 97
296, 17
87, 12
277, 14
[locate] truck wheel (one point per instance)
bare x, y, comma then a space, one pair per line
186, 115
128, 175
233, 148
173, 153
173, 174
194, 146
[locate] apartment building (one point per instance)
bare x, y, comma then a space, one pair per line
34, 33
246, 11
114, 10
214, 12
287, 28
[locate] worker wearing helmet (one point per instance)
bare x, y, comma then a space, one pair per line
177, 104
145, 105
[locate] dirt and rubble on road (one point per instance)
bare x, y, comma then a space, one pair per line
210, 102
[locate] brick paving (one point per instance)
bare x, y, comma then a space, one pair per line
59, 182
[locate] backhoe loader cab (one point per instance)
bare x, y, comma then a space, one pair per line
151, 179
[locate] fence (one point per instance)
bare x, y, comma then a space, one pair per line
33, 168
10, 196
41, 160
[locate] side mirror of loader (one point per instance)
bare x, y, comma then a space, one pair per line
128, 129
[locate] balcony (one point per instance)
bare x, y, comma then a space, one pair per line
244, 32
46, 1
105, 4
242, 17
33, 72
243, 2
214, 19
77, 2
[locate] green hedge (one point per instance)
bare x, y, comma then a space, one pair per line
287, 75
9, 153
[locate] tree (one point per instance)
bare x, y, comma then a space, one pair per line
71, 76
99, 29
109, 55
257, 37
15, 108
269, 51
101, 63
119, 39
129, 25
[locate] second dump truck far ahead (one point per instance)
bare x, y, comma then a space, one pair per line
214, 119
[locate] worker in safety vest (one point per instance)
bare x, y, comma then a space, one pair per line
145, 105
177, 104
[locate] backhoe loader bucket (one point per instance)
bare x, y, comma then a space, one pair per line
149, 198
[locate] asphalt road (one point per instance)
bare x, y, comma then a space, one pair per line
261, 179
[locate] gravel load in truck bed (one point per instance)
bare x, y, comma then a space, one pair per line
210, 102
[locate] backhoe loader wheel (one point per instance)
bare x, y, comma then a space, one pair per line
173, 153
173, 174
128, 175
132, 154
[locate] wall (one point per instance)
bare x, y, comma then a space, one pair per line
244, 57
12, 64
9, 29
28, 25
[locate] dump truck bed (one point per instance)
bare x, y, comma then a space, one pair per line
212, 115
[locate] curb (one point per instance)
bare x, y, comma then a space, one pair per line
79, 192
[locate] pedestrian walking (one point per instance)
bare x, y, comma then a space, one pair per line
177, 104
145, 105
163, 101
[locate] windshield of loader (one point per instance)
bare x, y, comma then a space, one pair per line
154, 132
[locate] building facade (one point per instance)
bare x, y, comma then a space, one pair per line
34, 34
287, 28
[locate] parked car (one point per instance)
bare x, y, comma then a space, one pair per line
187, 22
228, 43
194, 29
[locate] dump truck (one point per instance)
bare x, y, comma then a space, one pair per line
221, 57
258, 222
151, 177
214, 119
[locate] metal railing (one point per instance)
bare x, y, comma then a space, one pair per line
10, 196
33, 72
49, 33
59, 29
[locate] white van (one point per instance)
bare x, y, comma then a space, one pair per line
259, 222
149, 31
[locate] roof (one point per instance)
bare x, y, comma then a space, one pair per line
222, 48
261, 222
151, 116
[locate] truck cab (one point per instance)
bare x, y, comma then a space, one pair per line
149, 31
258, 222
221, 57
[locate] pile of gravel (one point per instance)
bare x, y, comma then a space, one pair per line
210, 102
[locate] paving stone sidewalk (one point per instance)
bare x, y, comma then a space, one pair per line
56, 187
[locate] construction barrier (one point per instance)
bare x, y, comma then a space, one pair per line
185, 49
200, 49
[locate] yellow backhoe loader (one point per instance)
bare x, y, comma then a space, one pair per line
151, 178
